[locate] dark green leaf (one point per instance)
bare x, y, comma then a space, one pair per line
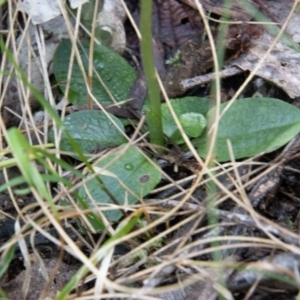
253, 126
114, 71
91, 130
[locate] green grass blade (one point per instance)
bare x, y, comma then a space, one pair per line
154, 117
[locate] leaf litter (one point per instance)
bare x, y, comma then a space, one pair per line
242, 231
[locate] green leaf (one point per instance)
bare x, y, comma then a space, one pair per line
91, 130
182, 106
193, 124
116, 74
129, 177
253, 126
12, 183
6, 259
24, 154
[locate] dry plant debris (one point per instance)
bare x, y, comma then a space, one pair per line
59, 273
280, 66
229, 230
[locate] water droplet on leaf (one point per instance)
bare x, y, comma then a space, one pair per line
129, 167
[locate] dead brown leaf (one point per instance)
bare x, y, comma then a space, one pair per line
282, 65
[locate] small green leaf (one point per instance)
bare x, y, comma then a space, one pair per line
181, 107
128, 178
91, 130
253, 126
193, 124
114, 71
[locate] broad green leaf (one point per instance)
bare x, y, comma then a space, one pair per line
253, 126
182, 106
114, 71
130, 177
91, 130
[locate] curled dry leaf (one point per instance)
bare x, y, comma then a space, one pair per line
281, 10
111, 19
282, 65
76, 3
40, 11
